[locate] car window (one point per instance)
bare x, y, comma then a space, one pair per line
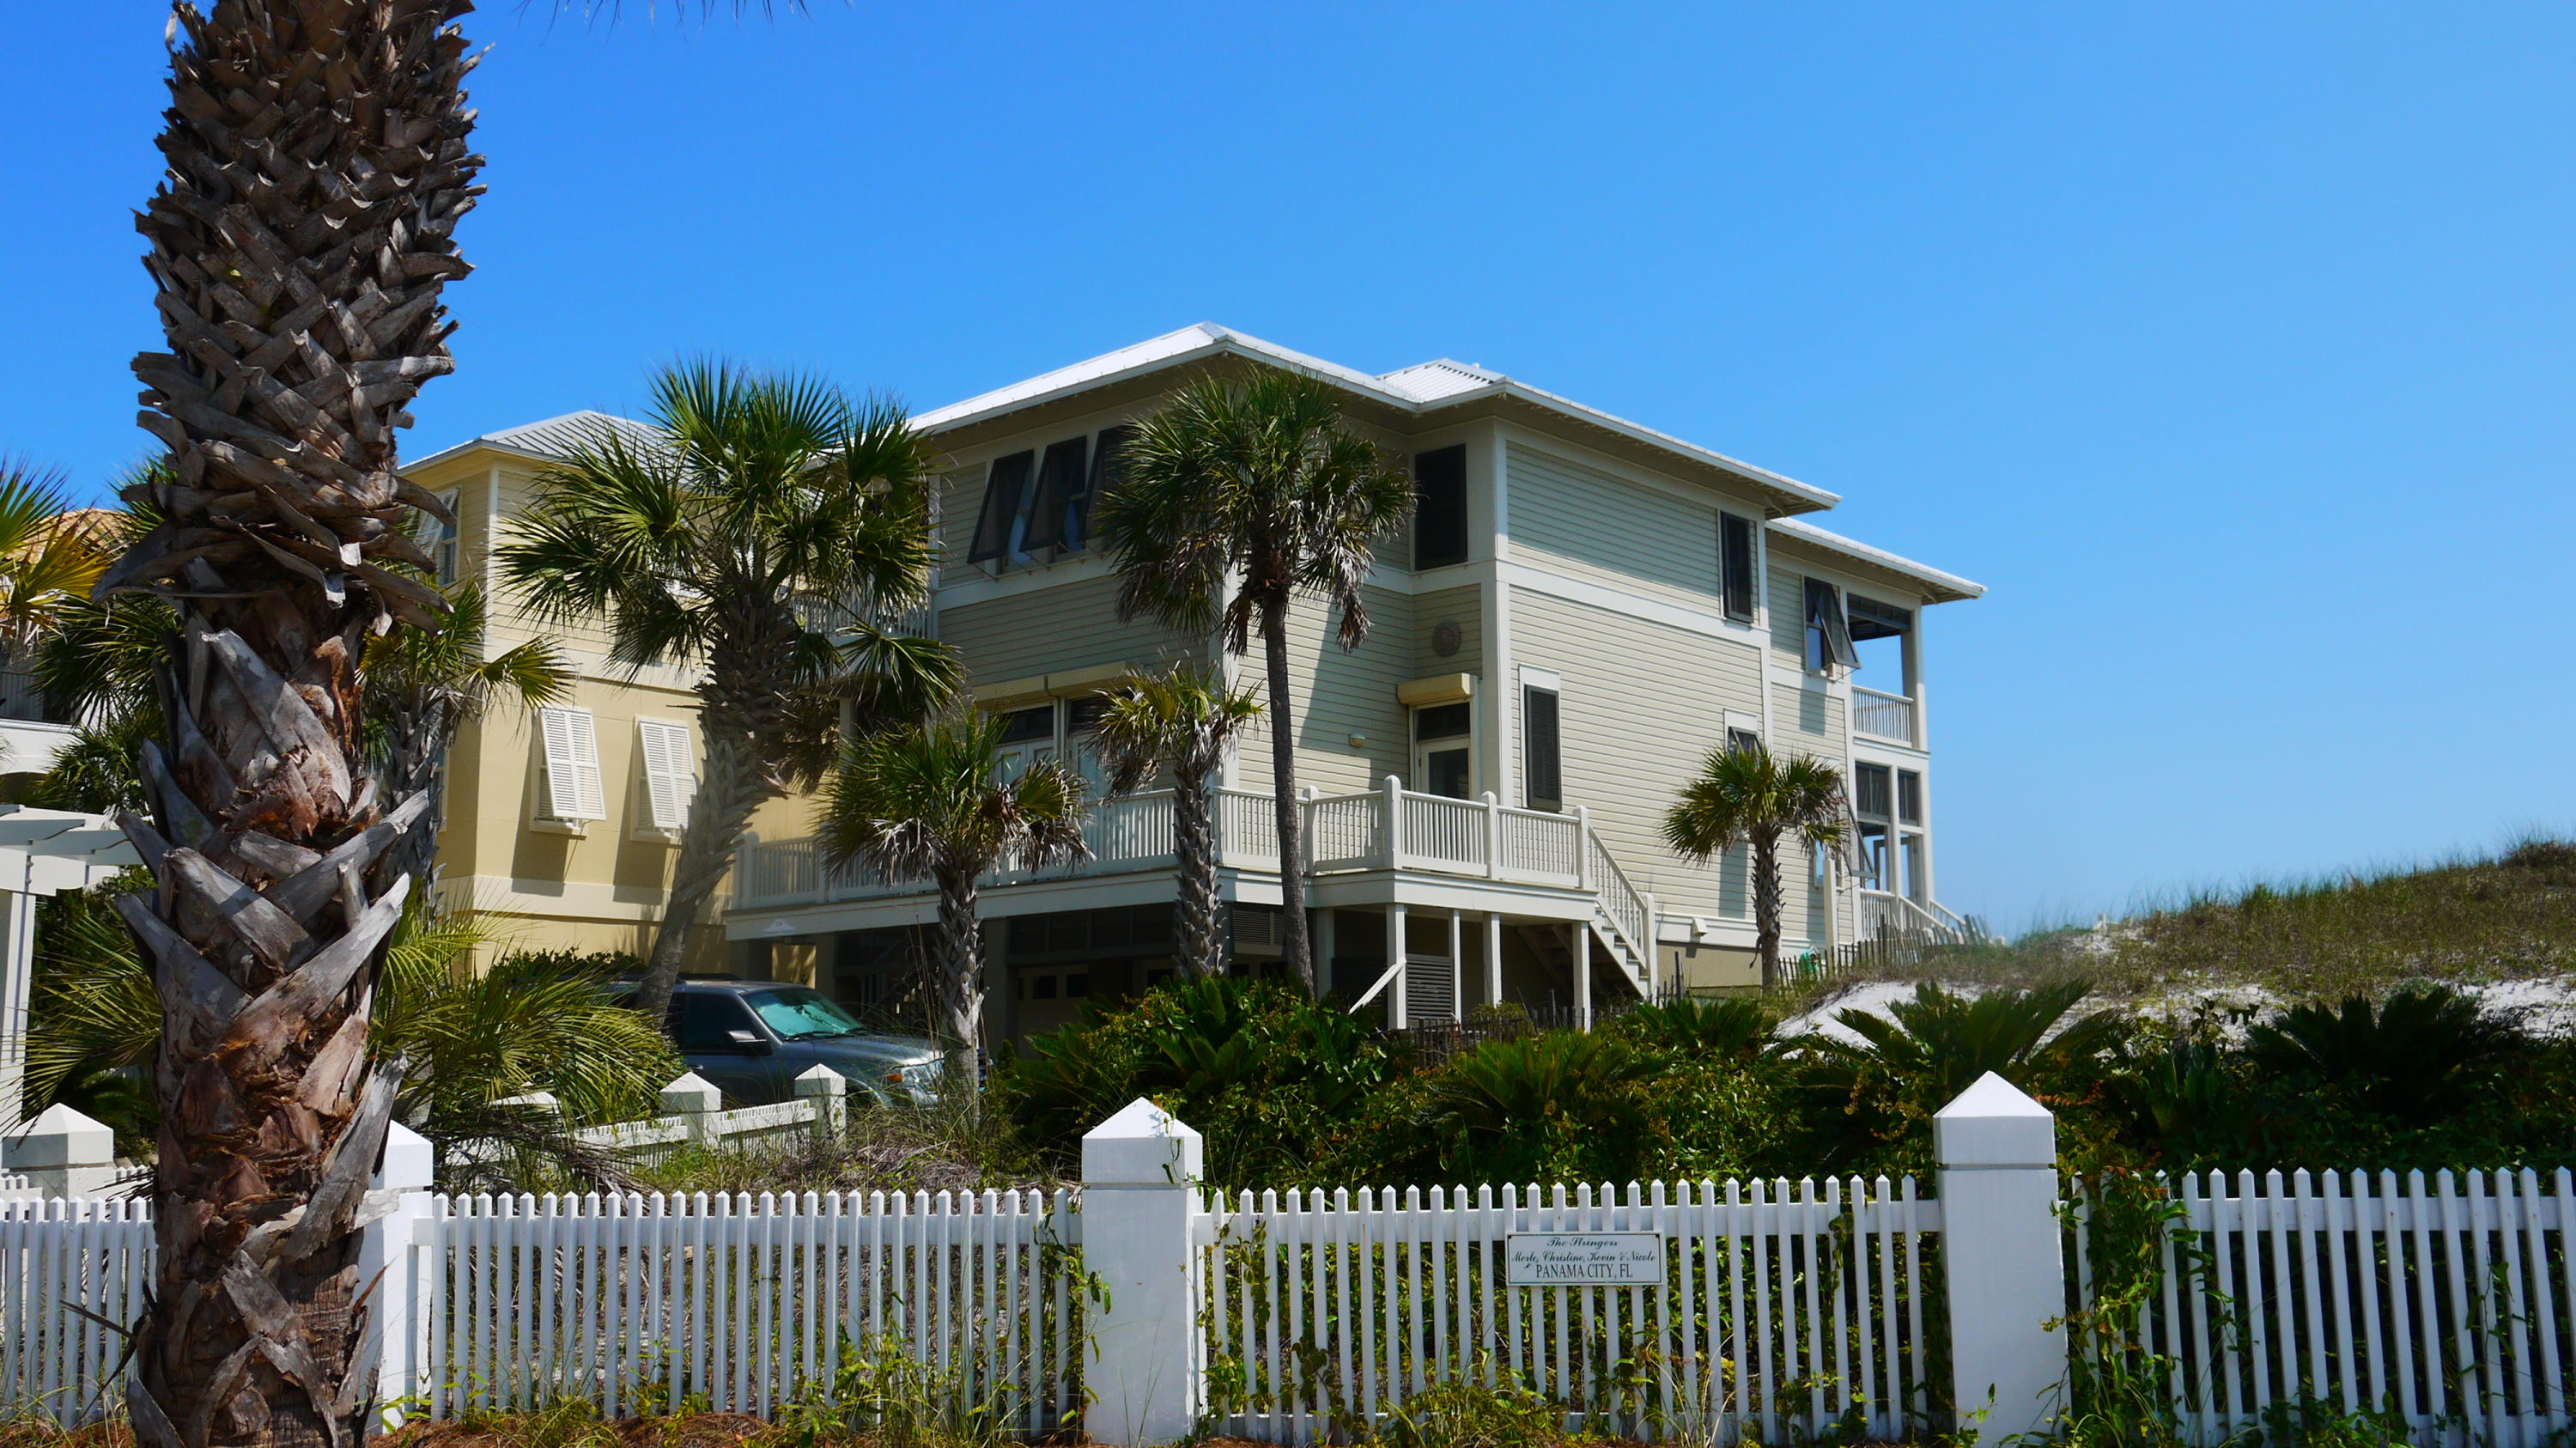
796, 1014
699, 1020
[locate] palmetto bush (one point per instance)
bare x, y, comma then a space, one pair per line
1562, 1106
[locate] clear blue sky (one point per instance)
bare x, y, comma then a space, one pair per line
2230, 345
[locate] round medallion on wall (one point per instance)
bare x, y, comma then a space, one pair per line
1445, 637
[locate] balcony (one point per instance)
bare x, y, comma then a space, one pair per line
1882, 716
1388, 829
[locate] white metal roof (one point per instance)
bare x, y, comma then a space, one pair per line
551, 437
1422, 388
1942, 583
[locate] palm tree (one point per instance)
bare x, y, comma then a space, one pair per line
1183, 721
50, 558
1260, 483
930, 803
318, 161
421, 688
1746, 795
771, 535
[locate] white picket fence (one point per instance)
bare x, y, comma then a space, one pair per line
68, 1269
1781, 1310
2445, 1304
634, 1303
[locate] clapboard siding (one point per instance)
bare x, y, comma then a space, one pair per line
1606, 529
1643, 703
1464, 607
1788, 606
1808, 720
1067, 626
1337, 695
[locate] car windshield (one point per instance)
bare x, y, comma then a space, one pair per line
798, 1014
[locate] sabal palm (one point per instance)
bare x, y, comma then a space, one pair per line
1182, 721
930, 802
1259, 482
768, 534
318, 161
50, 558
1749, 796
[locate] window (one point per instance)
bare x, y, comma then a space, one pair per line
572, 765
1735, 565
1743, 741
1829, 643
1440, 507
1909, 797
1029, 726
1542, 778
1107, 456
997, 528
704, 1021
801, 1014
1872, 803
1443, 762
1064, 481
670, 776
439, 540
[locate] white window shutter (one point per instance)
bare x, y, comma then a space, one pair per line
670, 775
573, 790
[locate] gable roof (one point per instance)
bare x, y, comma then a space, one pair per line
1422, 389
548, 439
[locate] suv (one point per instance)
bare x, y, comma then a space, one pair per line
753, 1038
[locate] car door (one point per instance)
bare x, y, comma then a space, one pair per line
703, 1025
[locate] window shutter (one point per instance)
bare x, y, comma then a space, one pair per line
1059, 487
573, 789
1106, 456
1825, 618
670, 778
1440, 507
1735, 565
1541, 765
1003, 486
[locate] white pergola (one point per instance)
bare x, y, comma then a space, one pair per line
42, 852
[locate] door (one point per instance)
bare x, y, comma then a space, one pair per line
1028, 735
1444, 755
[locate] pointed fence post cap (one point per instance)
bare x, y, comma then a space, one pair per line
410, 1162
58, 1137
1143, 1145
691, 1094
822, 1080
1994, 1123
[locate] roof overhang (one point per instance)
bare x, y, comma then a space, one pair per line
1937, 586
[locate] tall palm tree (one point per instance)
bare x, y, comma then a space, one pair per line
1746, 795
1182, 721
930, 803
770, 535
1260, 482
421, 688
317, 164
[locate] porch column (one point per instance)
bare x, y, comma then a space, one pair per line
1395, 962
1582, 975
1457, 966
1493, 958
17, 981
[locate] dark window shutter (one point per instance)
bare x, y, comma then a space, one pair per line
1060, 482
1002, 489
1105, 459
1829, 640
1542, 776
1440, 507
1735, 565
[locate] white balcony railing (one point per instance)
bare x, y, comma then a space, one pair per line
1390, 828
1882, 716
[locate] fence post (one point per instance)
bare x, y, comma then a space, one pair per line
1140, 1202
399, 1304
62, 1153
829, 1091
1997, 1151
694, 1100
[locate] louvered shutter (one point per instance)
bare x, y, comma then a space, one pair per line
1002, 489
573, 790
670, 776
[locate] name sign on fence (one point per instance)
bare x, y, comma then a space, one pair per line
1584, 1259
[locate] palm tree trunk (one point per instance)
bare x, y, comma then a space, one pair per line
1194, 912
732, 790
1283, 789
961, 981
318, 161
1767, 903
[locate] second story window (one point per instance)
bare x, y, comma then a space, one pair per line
1829, 641
1057, 510
1004, 521
1735, 565
1542, 767
1440, 507
1034, 504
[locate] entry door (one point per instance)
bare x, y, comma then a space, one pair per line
1028, 735
1444, 756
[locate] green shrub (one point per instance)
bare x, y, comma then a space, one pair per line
1565, 1106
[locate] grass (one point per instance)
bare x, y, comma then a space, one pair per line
2474, 921
948, 1147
